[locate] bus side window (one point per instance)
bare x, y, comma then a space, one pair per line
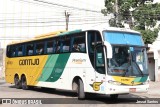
78, 43
20, 50
94, 38
50, 46
8, 53
30, 49
13, 51
40, 48
65, 44
58, 45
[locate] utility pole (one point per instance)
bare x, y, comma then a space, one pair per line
116, 10
67, 19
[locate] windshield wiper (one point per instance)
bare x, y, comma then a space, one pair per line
129, 69
139, 68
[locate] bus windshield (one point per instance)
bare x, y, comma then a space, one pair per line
128, 61
128, 54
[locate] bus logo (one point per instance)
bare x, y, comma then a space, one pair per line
96, 86
29, 62
78, 61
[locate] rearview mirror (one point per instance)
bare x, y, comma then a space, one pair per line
109, 49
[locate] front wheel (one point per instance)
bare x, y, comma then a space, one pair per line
81, 93
24, 83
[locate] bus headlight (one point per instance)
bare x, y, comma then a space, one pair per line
114, 82
145, 83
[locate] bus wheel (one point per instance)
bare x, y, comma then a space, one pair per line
24, 83
114, 96
17, 82
81, 94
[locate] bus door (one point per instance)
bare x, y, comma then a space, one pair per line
100, 69
95, 74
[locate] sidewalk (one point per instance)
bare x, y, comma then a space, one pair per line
154, 90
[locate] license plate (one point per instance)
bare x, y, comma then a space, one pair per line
132, 90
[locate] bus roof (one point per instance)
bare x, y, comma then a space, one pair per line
63, 33
101, 28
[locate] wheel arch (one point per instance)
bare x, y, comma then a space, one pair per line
75, 80
24, 75
16, 74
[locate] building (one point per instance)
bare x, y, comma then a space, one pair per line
154, 60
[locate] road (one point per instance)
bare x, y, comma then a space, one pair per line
69, 98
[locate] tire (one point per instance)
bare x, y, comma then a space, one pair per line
24, 83
114, 96
81, 93
17, 82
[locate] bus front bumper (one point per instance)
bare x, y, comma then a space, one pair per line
122, 89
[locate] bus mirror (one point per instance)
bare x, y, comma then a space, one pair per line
109, 49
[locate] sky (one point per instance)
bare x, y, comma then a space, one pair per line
28, 18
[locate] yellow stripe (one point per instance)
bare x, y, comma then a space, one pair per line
126, 80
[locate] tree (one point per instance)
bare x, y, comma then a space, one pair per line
141, 15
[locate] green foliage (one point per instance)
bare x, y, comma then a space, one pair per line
145, 16
148, 35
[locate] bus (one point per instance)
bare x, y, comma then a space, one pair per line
109, 61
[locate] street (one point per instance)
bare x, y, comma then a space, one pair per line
67, 97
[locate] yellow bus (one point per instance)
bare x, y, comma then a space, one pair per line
103, 61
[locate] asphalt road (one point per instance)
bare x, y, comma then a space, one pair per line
68, 98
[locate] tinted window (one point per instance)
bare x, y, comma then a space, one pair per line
78, 43
20, 50
30, 49
65, 44
58, 45
40, 48
50, 46
11, 51
94, 38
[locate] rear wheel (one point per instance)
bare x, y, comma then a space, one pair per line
24, 83
81, 93
17, 82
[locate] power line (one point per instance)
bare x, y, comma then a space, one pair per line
38, 4
33, 12
53, 25
52, 6
51, 20
88, 3
51, 3
56, 4
44, 22
41, 20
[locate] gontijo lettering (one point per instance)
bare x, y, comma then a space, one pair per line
29, 61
